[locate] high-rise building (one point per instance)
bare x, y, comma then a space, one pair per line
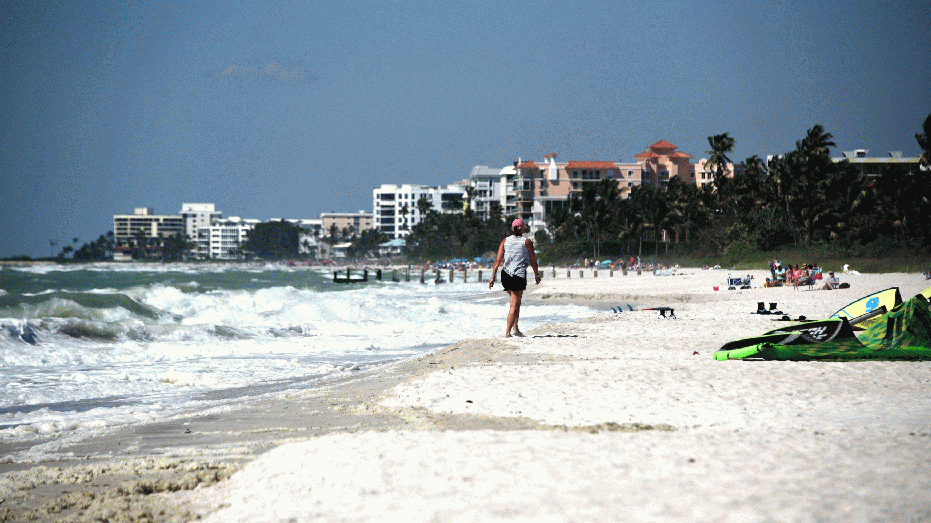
398, 208
143, 221
225, 237
197, 217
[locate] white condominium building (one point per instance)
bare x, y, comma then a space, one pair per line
225, 237
874, 165
199, 216
396, 210
491, 188
144, 221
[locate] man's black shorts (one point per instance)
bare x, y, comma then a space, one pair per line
513, 283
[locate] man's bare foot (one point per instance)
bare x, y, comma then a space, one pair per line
518, 333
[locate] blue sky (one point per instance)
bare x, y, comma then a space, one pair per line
290, 109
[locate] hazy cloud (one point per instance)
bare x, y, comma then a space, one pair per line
273, 70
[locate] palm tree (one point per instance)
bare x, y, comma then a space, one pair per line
811, 169
816, 141
332, 238
423, 207
684, 204
470, 195
721, 145
405, 210
924, 141
594, 207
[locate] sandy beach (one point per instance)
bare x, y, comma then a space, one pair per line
621, 417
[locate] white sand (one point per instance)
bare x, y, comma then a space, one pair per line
753, 441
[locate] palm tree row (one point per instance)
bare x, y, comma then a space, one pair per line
801, 198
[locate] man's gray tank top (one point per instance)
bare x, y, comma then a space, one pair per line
516, 257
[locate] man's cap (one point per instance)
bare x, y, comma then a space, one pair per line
517, 223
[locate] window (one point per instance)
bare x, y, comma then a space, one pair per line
630, 174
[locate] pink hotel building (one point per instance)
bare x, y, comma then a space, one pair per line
531, 189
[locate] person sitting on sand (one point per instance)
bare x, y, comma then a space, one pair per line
515, 252
780, 273
804, 277
830, 283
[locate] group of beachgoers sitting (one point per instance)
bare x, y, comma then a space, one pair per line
807, 274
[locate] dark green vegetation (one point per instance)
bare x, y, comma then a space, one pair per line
441, 236
273, 240
802, 200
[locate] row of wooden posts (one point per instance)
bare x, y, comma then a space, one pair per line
337, 278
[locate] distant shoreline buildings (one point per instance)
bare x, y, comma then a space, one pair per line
525, 189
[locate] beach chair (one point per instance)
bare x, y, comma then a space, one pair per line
738, 283
807, 281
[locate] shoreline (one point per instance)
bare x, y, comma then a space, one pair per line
568, 384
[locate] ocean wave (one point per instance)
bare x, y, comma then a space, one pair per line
86, 305
21, 332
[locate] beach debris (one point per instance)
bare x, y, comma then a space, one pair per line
611, 426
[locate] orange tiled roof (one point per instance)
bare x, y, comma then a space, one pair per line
590, 165
662, 144
646, 154
679, 154
529, 164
